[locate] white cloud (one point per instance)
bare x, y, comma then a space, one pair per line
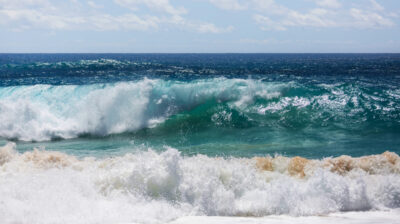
164, 14
229, 4
285, 17
268, 24
94, 5
366, 19
272, 16
175, 15
26, 18
316, 18
12, 4
328, 3
123, 22
212, 28
20, 15
159, 5
41, 14
269, 7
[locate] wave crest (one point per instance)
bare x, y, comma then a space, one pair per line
44, 112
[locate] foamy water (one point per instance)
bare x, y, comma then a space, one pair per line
149, 187
387, 217
43, 112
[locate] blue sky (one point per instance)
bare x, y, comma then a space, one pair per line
170, 26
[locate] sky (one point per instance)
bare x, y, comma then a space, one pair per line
199, 26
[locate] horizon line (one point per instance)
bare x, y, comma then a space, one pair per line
199, 52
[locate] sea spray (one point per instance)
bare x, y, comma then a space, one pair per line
150, 187
43, 112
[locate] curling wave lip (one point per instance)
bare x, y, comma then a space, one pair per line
45, 112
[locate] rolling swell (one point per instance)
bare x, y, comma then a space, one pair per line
44, 112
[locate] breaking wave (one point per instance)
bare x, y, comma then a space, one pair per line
45, 112
148, 187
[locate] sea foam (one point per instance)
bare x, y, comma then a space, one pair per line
148, 187
45, 112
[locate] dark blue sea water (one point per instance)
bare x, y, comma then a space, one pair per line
312, 105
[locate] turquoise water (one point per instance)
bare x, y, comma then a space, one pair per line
218, 105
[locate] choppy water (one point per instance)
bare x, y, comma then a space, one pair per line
155, 137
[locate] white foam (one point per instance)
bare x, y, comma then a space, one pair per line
388, 217
43, 112
149, 187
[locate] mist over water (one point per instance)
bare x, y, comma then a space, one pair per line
151, 138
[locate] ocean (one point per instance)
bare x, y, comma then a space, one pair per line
199, 138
